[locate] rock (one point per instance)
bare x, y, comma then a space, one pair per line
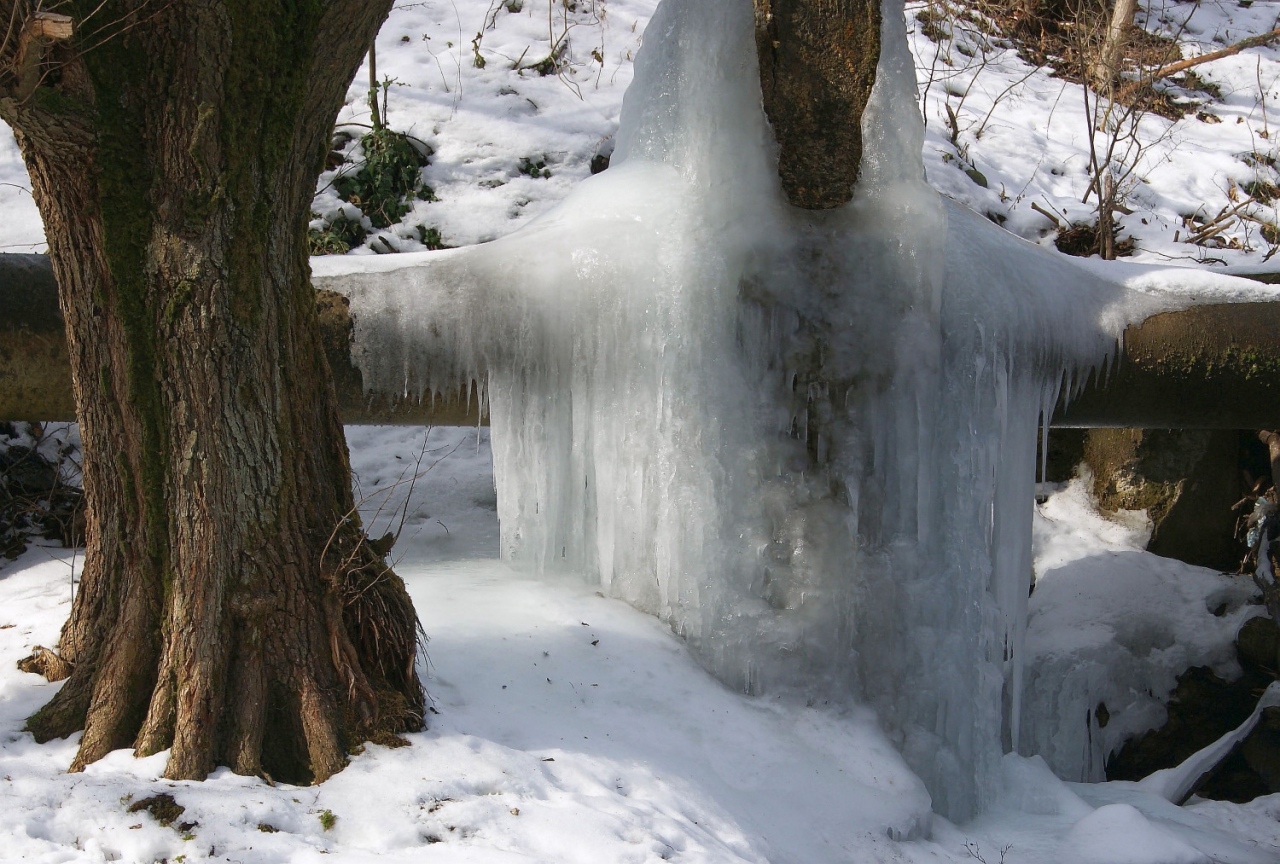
1201, 710
1261, 750
1186, 480
1258, 644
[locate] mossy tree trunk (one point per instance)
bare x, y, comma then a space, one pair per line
231, 607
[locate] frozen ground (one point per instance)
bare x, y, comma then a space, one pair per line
572, 728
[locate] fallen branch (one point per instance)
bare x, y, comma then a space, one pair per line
1046, 214
1230, 50
1183, 65
1219, 223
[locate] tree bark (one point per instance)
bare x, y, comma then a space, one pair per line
231, 607
817, 66
1111, 58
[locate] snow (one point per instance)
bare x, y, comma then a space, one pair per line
1110, 624
1027, 132
1120, 834
483, 122
630, 753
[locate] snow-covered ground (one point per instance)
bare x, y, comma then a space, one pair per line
485, 122
1023, 130
1027, 132
571, 728
1111, 624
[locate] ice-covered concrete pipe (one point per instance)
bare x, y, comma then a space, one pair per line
1211, 366
805, 439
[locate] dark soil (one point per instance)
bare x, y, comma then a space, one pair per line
1081, 239
165, 810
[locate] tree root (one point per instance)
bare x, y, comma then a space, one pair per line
44, 662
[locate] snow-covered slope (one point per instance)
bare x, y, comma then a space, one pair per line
1027, 132
1024, 130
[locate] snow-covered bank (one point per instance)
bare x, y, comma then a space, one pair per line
1113, 625
630, 752
1023, 130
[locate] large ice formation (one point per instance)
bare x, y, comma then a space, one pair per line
804, 439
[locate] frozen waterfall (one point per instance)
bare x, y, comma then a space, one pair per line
806, 440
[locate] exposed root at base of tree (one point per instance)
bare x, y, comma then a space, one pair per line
304, 677
44, 662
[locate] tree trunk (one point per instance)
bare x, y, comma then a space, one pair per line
1111, 58
231, 607
817, 66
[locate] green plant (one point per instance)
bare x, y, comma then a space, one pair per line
430, 237
328, 820
534, 169
1261, 190
391, 173
337, 237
